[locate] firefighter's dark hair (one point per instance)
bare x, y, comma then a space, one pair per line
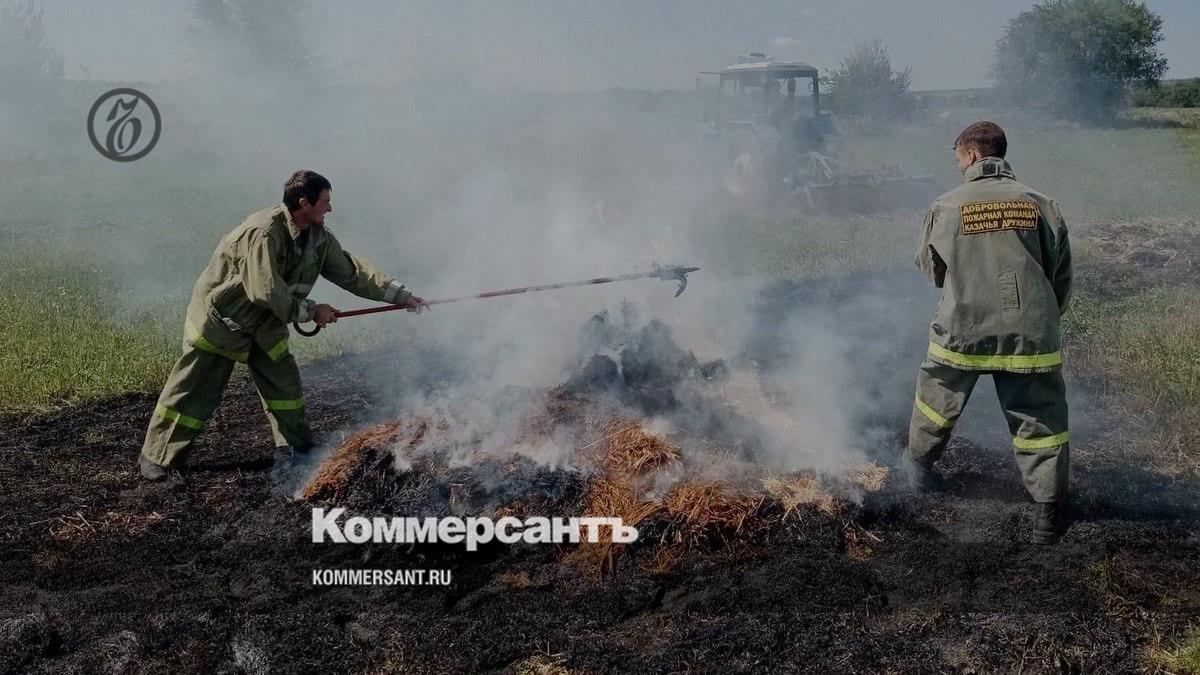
986, 137
306, 184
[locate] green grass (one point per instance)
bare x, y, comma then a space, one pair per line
1095, 174
62, 343
72, 335
1152, 336
1146, 348
1183, 658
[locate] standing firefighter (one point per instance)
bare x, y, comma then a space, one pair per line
257, 281
1000, 254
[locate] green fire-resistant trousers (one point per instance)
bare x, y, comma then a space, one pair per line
1034, 403
194, 388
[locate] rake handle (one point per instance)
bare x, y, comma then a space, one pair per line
665, 273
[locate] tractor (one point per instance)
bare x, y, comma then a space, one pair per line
772, 144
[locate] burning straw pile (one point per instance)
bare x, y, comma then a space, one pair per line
644, 480
689, 497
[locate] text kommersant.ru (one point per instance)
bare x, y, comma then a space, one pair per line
470, 531
370, 577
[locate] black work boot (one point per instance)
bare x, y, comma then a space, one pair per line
290, 468
287, 455
1050, 521
151, 471
921, 476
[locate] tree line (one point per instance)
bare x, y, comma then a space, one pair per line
1083, 60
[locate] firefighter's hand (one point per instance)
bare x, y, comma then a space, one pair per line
415, 304
324, 314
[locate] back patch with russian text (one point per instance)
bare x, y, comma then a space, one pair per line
980, 217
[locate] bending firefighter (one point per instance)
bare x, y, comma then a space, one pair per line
257, 281
1000, 255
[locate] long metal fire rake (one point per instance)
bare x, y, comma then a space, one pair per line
675, 273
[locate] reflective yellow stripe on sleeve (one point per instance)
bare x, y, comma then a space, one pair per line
932, 415
178, 417
275, 353
284, 404
996, 362
1041, 443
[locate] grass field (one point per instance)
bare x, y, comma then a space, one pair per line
1146, 348
1129, 173
72, 334
77, 331
94, 281
62, 342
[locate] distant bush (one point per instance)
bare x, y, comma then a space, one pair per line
1177, 94
1076, 58
866, 85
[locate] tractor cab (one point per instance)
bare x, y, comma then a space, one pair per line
769, 138
769, 97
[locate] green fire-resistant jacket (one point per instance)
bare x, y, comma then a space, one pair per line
1000, 254
258, 281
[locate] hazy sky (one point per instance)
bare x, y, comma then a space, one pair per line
578, 45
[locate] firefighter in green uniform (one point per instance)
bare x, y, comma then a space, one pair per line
257, 282
1000, 255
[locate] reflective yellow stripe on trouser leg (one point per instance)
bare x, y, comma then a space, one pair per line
1043, 462
1043, 442
288, 423
275, 353
932, 415
178, 417
189, 397
1035, 406
284, 404
278, 384
942, 393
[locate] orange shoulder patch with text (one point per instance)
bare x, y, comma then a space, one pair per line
981, 217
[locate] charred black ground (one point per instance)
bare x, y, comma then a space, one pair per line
105, 573
222, 581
